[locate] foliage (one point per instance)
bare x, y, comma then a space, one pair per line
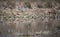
58, 27
39, 6
48, 3
28, 5
4, 15
58, 1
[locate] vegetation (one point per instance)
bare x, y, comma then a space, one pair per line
33, 20
58, 1
39, 6
27, 5
4, 17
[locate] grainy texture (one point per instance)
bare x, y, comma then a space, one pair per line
30, 18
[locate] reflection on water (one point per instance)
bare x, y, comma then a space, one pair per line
42, 35
17, 34
9, 36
